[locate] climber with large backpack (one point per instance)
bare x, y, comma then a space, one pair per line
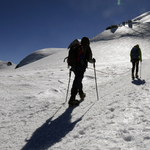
135, 56
78, 57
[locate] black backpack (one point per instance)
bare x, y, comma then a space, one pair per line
75, 53
134, 53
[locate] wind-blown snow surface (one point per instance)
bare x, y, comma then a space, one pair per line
34, 115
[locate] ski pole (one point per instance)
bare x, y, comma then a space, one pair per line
140, 68
68, 84
96, 81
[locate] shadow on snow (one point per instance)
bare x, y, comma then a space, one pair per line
138, 82
51, 132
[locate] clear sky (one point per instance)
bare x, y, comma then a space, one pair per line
30, 25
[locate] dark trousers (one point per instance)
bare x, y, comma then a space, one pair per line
135, 64
77, 86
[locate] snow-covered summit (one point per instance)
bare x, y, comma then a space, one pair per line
137, 27
143, 18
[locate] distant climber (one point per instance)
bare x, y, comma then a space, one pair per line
135, 56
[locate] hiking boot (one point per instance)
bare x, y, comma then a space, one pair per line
82, 96
73, 103
137, 76
133, 76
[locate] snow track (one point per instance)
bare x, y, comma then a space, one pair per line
36, 114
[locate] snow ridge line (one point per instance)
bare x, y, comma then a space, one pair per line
110, 73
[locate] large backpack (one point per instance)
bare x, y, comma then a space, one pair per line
134, 53
75, 53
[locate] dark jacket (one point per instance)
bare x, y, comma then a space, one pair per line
139, 53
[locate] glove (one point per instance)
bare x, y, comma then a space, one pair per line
93, 60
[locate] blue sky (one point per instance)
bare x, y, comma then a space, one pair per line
30, 25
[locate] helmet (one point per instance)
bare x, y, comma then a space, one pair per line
85, 41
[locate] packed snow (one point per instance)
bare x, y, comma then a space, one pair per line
34, 111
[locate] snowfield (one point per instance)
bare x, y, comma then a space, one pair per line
34, 112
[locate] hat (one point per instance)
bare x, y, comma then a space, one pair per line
85, 41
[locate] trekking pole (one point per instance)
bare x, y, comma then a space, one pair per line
96, 81
68, 84
140, 68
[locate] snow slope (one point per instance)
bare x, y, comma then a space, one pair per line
35, 115
6, 66
37, 55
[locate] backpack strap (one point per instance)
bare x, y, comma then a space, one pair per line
65, 59
80, 53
